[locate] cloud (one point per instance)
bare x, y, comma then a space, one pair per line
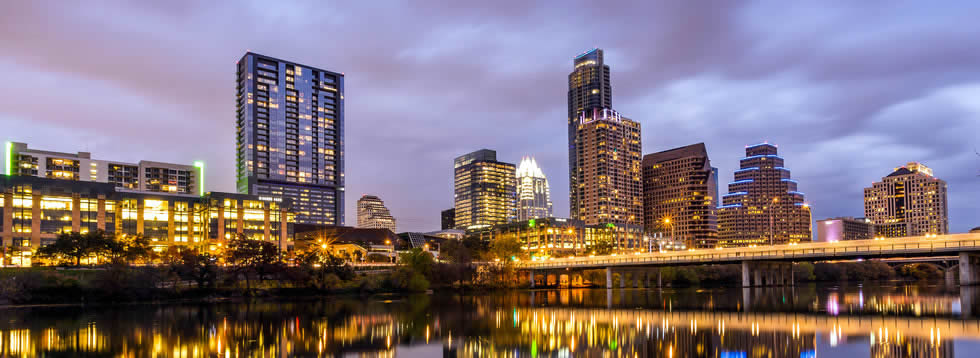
849, 90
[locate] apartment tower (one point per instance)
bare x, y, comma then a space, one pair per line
588, 88
290, 130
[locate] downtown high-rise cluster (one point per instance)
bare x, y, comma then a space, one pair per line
670, 198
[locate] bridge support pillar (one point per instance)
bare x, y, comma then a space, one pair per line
609, 278
766, 273
746, 278
969, 269
636, 280
530, 275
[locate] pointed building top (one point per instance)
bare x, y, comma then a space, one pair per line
529, 168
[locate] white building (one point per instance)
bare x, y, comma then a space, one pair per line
908, 202
533, 194
372, 214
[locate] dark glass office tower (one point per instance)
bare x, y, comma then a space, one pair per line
291, 136
588, 88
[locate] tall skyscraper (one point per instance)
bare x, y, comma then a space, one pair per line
610, 189
763, 204
485, 190
679, 193
372, 214
588, 88
291, 136
533, 193
908, 202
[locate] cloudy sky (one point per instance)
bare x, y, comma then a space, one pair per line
848, 90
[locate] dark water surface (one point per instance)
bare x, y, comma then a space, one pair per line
805, 321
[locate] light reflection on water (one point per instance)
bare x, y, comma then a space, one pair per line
786, 322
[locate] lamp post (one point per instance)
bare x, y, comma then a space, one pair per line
673, 238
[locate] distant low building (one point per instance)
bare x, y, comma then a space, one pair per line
844, 229
449, 234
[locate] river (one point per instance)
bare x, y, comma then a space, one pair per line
802, 321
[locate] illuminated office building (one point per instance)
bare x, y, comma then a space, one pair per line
35, 210
609, 189
533, 193
145, 176
485, 190
588, 88
679, 195
545, 236
908, 202
763, 205
290, 136
372, 214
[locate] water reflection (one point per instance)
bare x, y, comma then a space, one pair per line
789, 322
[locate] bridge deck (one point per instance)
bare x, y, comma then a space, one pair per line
944, 245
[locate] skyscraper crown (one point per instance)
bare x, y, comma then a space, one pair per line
529, 168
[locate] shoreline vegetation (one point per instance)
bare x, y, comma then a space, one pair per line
251, 268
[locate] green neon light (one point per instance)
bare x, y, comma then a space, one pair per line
10, 158
200, 174
611, 225
530, 223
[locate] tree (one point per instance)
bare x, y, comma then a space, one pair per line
506, 248
248, 256
419, 261
199, 267
326, 269
76, 245
129, 248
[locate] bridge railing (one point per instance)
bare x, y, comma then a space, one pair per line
829, 250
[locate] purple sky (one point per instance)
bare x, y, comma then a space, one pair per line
848, 90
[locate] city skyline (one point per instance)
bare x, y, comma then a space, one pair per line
879, 114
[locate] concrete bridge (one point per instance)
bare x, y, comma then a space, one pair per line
771, 265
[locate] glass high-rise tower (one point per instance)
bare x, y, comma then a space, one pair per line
485, 190
588, 88
291, 136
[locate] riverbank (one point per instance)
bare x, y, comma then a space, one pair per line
120, 283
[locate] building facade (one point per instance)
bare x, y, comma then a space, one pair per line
372, 214
35, 210
533, 193
763, 205
679, 193
290, 141
908, 202
609, 189
844, 229
588, 87
545, 236
485, 190
448, 219
144, 176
